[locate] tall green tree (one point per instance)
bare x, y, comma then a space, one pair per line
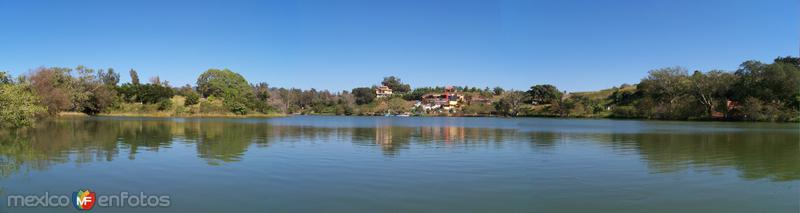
228, 85
544, 94
712, 90
363, 95
223, 83
134, 77
110, 78
261, 91
396, 84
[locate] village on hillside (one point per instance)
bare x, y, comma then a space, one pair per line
449, 101
755, 92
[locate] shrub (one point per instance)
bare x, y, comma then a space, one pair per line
164, 104
624, 112
18, 106
238, 108
192, 98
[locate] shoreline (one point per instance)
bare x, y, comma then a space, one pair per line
168, 115
234, 116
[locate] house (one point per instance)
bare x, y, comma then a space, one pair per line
449, 100
383, 91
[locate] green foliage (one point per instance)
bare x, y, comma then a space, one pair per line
788, 60
363, 95
395, 84
261, 91
19, 106
134, 77
192, 98
223, 83
101, 97
544, 94
777, 83
417, 93
212, 106
712, 90
234, 90
110, 78
624, 112
510, 104
623, 96
498, 90
164, 104
754, 109
60, 91
756, 91
237, 108
145, 93
5, 78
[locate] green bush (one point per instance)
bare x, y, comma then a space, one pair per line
192, 98
238, 108
164, 104
624, 112
18, 106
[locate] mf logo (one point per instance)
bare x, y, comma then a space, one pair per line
84, 199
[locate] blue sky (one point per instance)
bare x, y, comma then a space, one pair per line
341, 44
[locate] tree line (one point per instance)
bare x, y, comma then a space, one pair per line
756, 91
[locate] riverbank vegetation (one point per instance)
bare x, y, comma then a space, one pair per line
756, 91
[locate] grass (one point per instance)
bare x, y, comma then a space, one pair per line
207, 108
201, 115
72, 114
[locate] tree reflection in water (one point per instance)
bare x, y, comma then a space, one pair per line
756, 154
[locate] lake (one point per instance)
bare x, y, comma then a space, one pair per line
409, 164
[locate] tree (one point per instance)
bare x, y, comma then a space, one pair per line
544, 94
5, 78
510, 103
145, 93
261, 91
192, 98
664, 92
223, 83
134, 77
395, 84
666, 85
711, 89
55, 87
110, 78
772, 83
498, 90
101, 97
154, 93
234, 90
363, 95
788, 60
19, 106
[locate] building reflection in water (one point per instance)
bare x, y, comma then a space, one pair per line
757, 154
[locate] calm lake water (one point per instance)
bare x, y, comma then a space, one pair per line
392, 164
